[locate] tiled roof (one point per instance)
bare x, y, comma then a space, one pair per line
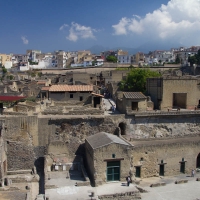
46, 88
134, 95
41, 82
71, 88
102, 139
98, 95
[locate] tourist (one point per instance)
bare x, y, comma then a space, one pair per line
192, 173
128, 179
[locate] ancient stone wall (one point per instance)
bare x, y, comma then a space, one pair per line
21, 134
149, 157
120, 152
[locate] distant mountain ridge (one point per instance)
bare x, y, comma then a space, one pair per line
145, 48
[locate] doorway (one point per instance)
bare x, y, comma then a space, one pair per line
198, 161
134, 105
182, 167
113, 171
96, 101
138, 171
161, 170
122, 127
179, 100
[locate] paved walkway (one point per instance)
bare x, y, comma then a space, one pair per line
171, 191
84, 192
107, 104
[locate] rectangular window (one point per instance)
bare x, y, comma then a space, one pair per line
81, 98
71, 96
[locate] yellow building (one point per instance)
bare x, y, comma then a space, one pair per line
139, 57
4, 58
84, 56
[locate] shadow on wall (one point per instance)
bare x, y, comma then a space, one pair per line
39, 164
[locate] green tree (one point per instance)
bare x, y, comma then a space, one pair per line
4, 70
39, 74
192, 60
111, 59
136, 79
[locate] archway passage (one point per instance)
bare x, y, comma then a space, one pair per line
122, 127
198, 161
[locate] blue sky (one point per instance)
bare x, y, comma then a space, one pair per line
50, 25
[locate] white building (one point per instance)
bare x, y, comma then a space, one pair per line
8, 64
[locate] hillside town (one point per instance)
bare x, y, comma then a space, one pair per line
35, 59
73, 122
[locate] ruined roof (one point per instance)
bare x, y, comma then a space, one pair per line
102, 139
71, 88
134, 95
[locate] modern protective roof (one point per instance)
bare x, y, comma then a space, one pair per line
103, 139
11, 98
71, 88
134, 95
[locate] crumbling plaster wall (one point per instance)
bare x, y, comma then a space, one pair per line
162, 126
72, 131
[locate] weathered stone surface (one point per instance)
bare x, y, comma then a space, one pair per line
20, 156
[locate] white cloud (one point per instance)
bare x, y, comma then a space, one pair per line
24, 39
63, 26
178, 20
78, 31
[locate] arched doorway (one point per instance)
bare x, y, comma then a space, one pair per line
198, 161
122, 127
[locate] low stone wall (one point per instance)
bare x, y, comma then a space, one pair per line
86, 112
79, 111
181, 181
158, 184
14, 113
121, 196
24, 108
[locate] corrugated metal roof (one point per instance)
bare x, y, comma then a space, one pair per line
134, 95
102, 139
71, 88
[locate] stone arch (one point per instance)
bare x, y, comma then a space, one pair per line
122, 127
198, 161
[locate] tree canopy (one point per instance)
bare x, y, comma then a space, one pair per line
194, 59
111, 59
136, 79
